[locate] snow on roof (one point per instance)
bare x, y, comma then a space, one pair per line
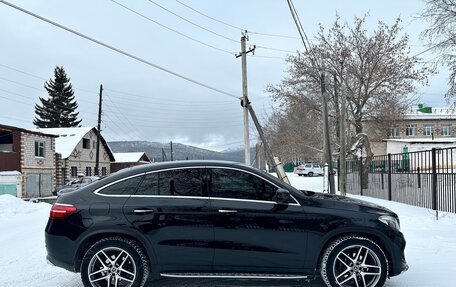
68, 138
437, 113
423, 140
124, 157
14, 172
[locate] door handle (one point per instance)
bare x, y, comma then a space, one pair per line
227, 211
143, 210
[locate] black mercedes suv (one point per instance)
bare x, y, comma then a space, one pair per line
222, 220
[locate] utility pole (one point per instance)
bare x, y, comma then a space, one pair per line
272, 159
171, 144
332, 188
97, 160
343, 151
244, 101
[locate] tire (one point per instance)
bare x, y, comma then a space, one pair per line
363, 261
115, 259
310, 174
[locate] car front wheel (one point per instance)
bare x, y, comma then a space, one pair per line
115, 261
310, 174
354, 261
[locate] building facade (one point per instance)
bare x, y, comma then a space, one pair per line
32, 154
76, 153
421, 128
128, 159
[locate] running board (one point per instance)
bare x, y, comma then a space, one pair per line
234, 275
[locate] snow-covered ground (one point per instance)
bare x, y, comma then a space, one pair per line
430, 251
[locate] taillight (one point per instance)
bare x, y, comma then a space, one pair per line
60, 210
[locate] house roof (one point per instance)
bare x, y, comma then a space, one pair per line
125, 157
68, 139
437, 114
33, 131
423, 140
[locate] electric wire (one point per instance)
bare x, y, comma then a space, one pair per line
193, 23
119, 50
205, 29
171, 29
233, 26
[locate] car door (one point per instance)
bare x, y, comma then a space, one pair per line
252, 232
171, 208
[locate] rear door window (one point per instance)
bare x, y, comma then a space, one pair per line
124, 187
178, 182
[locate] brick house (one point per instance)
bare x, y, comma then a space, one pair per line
32, 154
421, 128
128, 159
76, 153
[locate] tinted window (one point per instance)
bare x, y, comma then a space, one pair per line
228, 183
180, 182
125, 187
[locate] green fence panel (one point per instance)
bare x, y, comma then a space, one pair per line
8, 189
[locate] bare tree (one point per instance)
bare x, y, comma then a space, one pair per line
379, 74
295, 134
441, 35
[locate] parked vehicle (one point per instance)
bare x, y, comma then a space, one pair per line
75, 184
219, 219
311, 169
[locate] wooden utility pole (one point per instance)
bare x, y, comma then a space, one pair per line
272, 159
171, 145
97, 160
244, 102
343, 133
332, 187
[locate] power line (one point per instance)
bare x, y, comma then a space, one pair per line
41, 78
34, 88
119, 50
432, 47
171, 29
233, 26
199, 26
193, 23
173, 101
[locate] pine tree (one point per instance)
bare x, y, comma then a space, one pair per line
59, 110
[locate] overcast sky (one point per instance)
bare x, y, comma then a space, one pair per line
144, 103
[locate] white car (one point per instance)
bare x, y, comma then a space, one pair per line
309, 169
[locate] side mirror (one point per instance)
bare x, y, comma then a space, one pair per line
282, 196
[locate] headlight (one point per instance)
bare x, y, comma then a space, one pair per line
390, 221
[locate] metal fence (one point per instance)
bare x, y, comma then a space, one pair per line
425, 178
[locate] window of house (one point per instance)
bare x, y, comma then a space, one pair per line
446, 130
395, 132
428, 130
103, 171
86, 143
39, 148
410, 130
88, 171
74, 171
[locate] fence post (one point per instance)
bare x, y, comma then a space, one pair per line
361, 175
390, 197
434, 180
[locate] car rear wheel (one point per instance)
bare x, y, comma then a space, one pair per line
115, 261
354, 261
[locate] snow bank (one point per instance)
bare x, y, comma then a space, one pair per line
11, 205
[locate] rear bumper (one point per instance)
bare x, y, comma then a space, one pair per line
60, 252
